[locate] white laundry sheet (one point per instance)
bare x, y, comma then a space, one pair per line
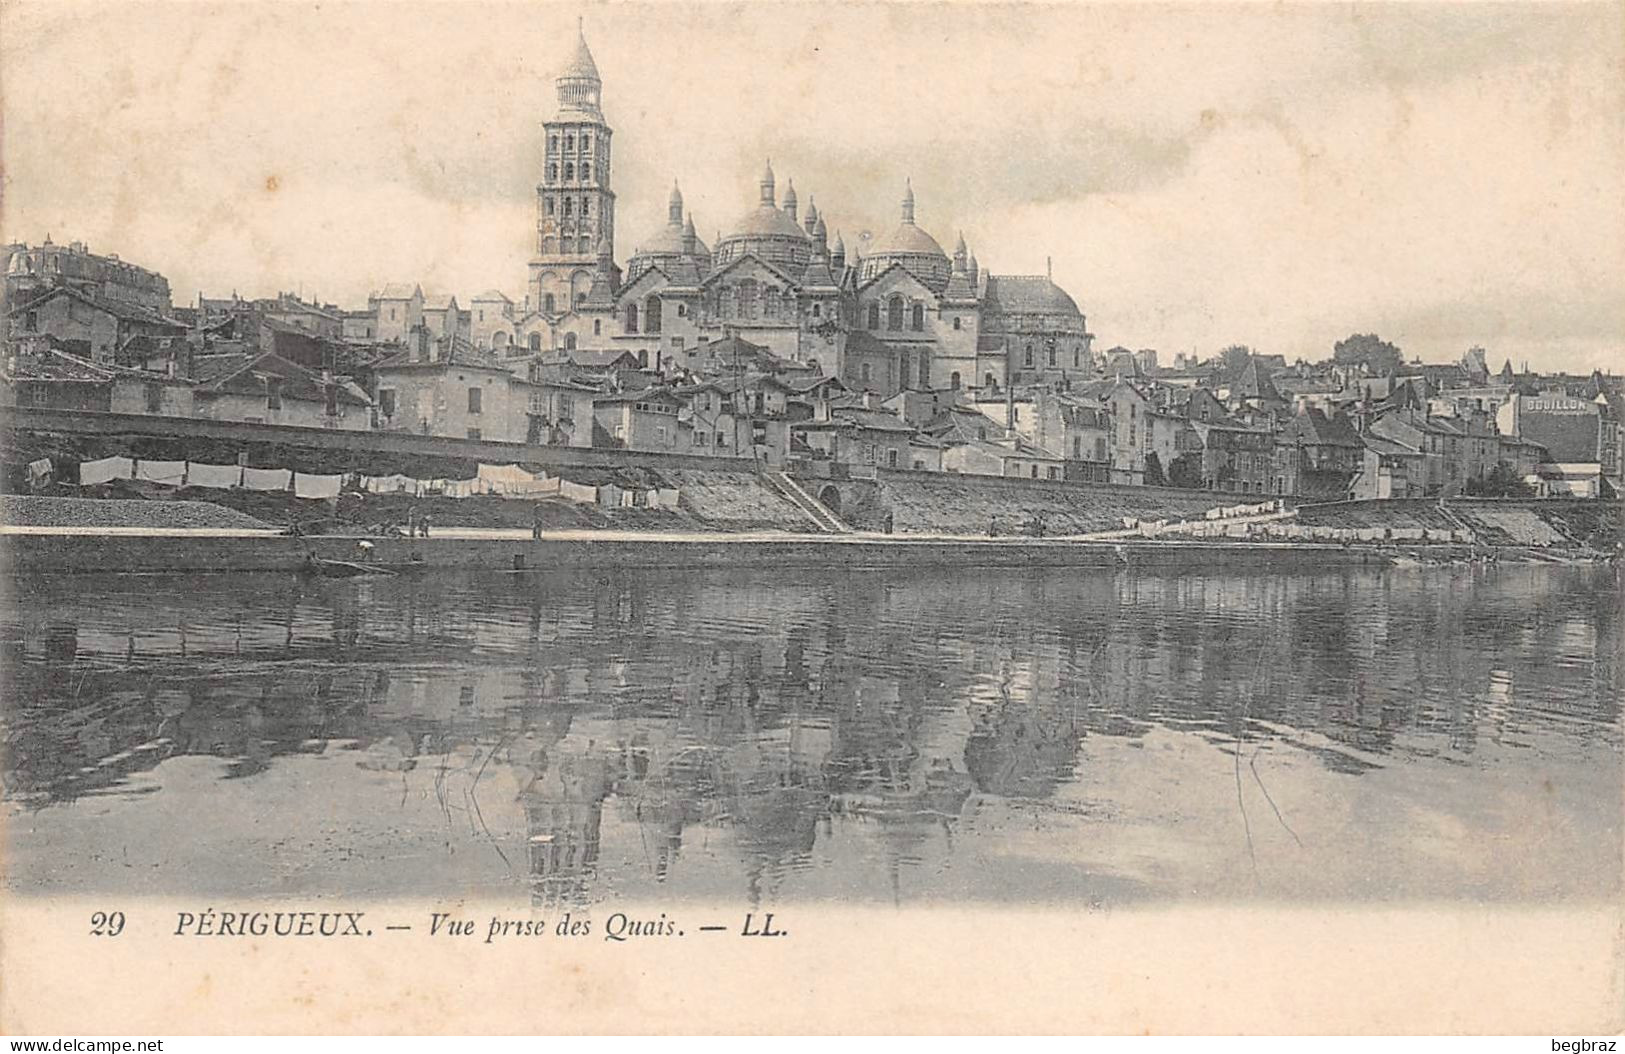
308, 486
220, 477
94, 472
266, 478
171, 472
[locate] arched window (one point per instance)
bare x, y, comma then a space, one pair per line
989, 381
953, 380
1052, 355
631, 318
1028, 359
499, 339
956, 321
535, 342
903, 372
569, 142
597, 327
569, 342
552, 172
894, 313
549, 303
916, 320
651, 315
552, 144
569, 173
586, 206
643, 358
569, 206
550, 206
874, 314
586, 141
747, 299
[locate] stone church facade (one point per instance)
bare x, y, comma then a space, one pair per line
900, 313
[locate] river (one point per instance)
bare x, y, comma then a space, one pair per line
755, 737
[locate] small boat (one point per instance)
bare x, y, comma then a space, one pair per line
317, 565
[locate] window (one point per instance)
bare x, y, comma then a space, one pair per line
550, 206
332, 393
597, 327
660, 433
1054, 473
569, 342
32, 322
549, 303
569, 142
957, 320
1028, 359
700, 438
631, 318
392, 314
916, 320
818, 310
1100, 448
386, 401
868, 453
473, 433
1052, 355
677, 343
1035, 472
953, 380
155, 398
474, 397
1077, 448
874, 315
569, 173
552, 174
552, 144
535, 342
651, 315
273, 393
864, 372
891, 458
894, 313
989, 381
569, 206
722, 439
586, 206
586, 142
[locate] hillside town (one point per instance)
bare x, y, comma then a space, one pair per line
780, 348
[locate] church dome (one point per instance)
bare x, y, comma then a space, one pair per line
1029, 295
909, 247
767, 232
907, 238
766, 220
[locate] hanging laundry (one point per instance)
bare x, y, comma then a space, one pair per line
171, 473
307, 486
39, 472
220, 477
266, 478
667, 497
94, 472
578, 492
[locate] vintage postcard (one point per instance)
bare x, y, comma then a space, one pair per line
805, 517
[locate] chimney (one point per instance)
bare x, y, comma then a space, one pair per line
1009, 410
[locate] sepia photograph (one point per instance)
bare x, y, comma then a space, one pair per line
527, 517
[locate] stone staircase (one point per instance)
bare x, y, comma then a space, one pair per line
815, 510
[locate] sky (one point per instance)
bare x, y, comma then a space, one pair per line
1196, 176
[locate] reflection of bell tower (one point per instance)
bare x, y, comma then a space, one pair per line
575, 207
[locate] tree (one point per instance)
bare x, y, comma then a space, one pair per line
1234, 359
1369, 350
1153, 471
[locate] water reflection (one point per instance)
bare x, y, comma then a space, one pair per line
766, 733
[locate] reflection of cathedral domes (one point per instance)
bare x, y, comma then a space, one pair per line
909, 247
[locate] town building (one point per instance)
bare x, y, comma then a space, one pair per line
31, 271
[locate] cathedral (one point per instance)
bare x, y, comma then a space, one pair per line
896, 313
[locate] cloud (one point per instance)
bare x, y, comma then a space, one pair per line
1276, 175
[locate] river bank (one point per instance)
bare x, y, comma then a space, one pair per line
59, 550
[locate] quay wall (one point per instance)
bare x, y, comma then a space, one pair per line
27, 554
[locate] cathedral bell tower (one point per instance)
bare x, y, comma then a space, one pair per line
575, 207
